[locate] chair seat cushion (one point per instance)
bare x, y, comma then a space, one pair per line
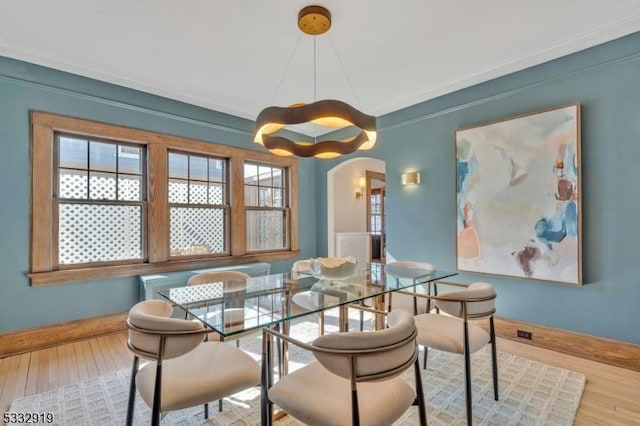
210, 372
316, 396
446, 333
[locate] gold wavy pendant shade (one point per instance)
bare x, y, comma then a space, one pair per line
315, 20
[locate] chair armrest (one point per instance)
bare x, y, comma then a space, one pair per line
367, 309
447, 299
462, 300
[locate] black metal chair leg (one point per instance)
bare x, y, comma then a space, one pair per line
467, 375
155, 415
422, 413
132, 391
355, 411
426, 351
494, 358
220, 405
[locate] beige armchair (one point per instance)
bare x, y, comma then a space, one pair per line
453, 329
232, 288
306, 299
184, 371
412, 271
356, 379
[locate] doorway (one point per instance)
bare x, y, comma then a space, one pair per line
376, 190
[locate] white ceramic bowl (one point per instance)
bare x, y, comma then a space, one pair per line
336, 268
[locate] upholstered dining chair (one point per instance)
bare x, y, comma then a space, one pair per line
356, 379
410, 270
183, 370
306, 299
453, 328
232, 287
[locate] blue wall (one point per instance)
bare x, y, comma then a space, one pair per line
25, 87
421, 220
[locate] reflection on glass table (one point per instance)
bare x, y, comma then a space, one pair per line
269, 300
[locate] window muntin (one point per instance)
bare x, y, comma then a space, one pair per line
266, 204
198, 206
100, 201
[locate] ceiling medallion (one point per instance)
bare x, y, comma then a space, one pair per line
315, 20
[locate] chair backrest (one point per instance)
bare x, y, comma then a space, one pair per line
147, 322
300, 267
475, 310
408, 269
236, 279
378, 354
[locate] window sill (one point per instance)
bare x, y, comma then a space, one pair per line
108, 272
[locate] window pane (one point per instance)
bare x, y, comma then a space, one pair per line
197, 193
266, 230
264, 197
102, 156
264, 176
250, 195
130, 159
216, 170
278, 198
178, 166
73, 153
216, 193
197, 231
197, 168
250, 173
178, 191
99, 233
72, 184
129, 188
102, 186
277, 178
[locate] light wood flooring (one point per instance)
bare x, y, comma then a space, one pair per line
611, 395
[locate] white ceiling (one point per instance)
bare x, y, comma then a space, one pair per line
231, 55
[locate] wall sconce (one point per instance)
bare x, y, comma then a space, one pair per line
360, 189
410, 178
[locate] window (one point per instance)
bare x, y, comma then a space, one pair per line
376, 219
100, 201
266, 207
109, 201
198, 206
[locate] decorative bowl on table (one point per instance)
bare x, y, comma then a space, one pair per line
333, 268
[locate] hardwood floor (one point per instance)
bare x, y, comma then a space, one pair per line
611, 395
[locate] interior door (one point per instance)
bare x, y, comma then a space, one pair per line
376, 191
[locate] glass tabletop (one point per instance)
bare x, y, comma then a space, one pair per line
238, 306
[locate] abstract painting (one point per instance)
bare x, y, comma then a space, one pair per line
518, 196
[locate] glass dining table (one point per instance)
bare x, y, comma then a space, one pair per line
234, 308
237, 307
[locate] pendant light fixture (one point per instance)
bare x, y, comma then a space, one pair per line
315, 20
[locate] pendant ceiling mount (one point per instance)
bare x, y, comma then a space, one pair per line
315, 20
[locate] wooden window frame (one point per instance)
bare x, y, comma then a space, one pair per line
225, 206
285, 209
42, 251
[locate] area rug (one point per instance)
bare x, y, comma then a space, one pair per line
531, 393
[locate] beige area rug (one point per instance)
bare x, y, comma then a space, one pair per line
531, 393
